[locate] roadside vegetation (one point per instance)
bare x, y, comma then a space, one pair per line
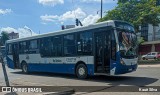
136, 12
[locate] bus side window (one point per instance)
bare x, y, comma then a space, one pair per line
33, 46
69, 44
45, 47
9, 49
56, 46
84, 43
23, 47
113, 46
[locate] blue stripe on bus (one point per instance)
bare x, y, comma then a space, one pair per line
121, 69
70, 68
55, 68
126, 69
58, 68
10, 62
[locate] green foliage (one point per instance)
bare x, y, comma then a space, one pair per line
141, 40
137, 12
122, 1
4, 38
158, 59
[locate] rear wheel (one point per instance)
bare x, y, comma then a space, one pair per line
81, 71
24, 67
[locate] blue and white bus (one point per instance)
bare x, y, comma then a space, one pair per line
106, 48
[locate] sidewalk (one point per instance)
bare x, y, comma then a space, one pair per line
149, 65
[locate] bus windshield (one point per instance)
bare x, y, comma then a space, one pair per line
127, 43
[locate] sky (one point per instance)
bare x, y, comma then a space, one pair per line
42, 16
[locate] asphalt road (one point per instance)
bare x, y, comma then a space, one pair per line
146, 75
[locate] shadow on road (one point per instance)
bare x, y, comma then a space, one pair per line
124, 80
112, 80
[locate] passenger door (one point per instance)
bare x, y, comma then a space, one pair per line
102, 51
15, 54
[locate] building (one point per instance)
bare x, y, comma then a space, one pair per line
151, 38
13, 35
147, 32
158, 2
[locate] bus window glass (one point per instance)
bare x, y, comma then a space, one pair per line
113, 46
33, 44
84, 42
45, 47
23, 47
69, 45
9, 49
56, 46
128, 43
123, 25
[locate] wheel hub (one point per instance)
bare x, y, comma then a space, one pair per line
81, 71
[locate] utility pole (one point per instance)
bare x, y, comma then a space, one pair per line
101, 8
4, 68
4, 72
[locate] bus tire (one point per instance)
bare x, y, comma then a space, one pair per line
24, 67
81, 71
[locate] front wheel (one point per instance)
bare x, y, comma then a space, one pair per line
81, 71
24, 67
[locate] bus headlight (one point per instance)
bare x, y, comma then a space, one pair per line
122, 62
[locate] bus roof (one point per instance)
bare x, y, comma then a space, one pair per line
72, 30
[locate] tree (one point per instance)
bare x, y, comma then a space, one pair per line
140, 40
4, 38
122, 1
137, 12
